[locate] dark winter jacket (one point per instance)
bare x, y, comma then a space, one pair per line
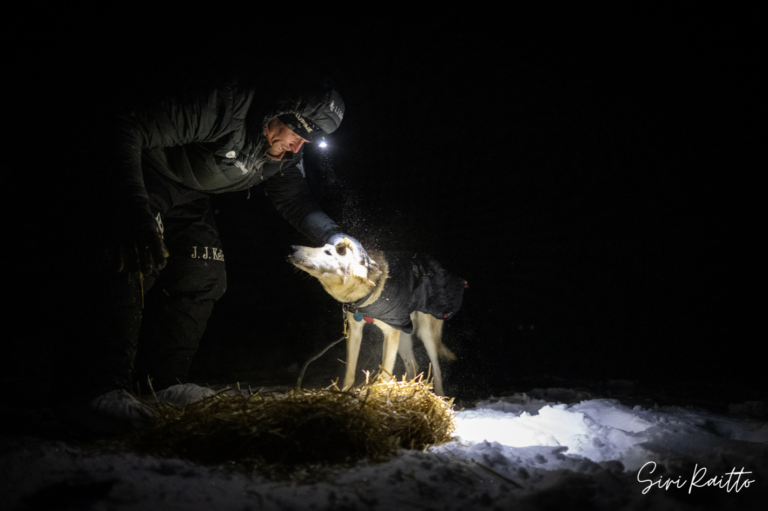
416, 282
212, 140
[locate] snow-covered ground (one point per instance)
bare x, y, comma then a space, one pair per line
510, 453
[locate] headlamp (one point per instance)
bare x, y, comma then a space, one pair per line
323, 143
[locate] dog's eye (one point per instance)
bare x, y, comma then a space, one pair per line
327, 252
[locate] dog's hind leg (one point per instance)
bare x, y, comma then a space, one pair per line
430, 331
353, 350
389, 351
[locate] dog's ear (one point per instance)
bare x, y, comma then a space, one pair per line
360, 272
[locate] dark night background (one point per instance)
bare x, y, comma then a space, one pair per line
591, 187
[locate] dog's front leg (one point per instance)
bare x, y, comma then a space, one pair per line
405, 350
389, 351
353, 349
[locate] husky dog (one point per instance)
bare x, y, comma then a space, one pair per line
401, 293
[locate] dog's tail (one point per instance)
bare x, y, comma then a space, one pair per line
443, 351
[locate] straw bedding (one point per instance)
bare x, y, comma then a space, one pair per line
302, 427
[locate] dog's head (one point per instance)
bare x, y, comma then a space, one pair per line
335, 267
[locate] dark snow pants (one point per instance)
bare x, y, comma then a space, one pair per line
174, 304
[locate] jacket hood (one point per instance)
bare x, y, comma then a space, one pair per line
318, 101
326, 110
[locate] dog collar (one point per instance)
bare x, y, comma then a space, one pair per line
356, 314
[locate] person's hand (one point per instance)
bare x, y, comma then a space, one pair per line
357, 248
142, 246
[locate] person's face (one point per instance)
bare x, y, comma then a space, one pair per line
282, 138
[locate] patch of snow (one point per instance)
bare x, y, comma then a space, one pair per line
515, 452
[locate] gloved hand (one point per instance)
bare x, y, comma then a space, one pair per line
142, 246
357, 249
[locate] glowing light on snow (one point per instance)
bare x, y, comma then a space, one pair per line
504, 428
558, 425
323, 144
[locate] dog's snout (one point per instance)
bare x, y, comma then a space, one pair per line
294, 248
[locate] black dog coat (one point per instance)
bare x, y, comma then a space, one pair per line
416, 283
